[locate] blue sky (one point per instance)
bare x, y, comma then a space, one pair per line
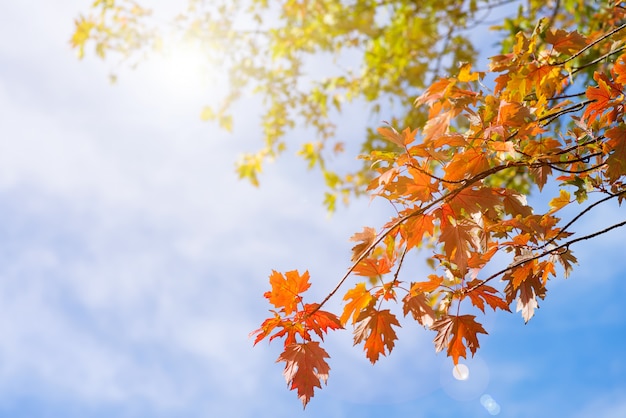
133, 264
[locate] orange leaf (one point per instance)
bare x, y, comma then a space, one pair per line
619, 69
515, 203
360, 299
320, 321
566, 42
414, 229
526, 294
266, 328
452, 330
456, 239
417, 304
466, 165
431, 285
370, 267
375, 328
305, 368
391, 135
286, 289
616, 162
600, 97
365, 239
484, 293
472, 200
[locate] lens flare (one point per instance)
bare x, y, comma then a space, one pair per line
460, 372
490, 404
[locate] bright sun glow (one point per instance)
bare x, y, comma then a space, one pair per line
184, 71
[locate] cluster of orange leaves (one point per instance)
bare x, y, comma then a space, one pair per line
456, 195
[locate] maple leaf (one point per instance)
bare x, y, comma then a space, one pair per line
561, 201
472, 200
526, 293
370, 267
452, 330
375, 328
360, 299
365, 239
320, 321
421, 186
457, 239
466, 164
515, 203
392, 135
566, 42
418, 305
413, 229
485, 294
616, 162
566, 258
619, 69
600, 97
431, 285
540, 175
266, 328
305, 368
286, 289
465, 73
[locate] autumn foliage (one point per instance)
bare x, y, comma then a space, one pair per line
455, 184
546, 116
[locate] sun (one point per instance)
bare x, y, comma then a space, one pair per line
183, 69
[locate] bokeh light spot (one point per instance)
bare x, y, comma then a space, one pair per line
460, 372
490, 404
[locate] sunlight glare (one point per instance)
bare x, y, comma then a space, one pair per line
183, 70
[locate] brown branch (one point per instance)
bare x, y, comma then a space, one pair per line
403, 219
577, 217
545, 253
573, 108
597, 60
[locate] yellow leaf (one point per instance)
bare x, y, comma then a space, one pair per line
561, 201
207, 114
466, 75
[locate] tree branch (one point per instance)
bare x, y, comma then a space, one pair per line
545, 253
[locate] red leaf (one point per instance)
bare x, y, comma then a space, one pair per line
600, 97
266, 328
375, 328
452, 330
485, 294
320, 321
305, 368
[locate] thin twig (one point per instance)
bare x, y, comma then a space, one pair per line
545, 253
577, 217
